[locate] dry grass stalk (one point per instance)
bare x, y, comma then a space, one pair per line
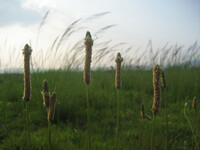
143, 115
118, 61
194, 103
142, 111
88, 57
46, 94
27, 77
163, 79
52, 103
156, 86
147, 117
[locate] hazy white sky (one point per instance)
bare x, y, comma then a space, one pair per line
162, 21
176, 21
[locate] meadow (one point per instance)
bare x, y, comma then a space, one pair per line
62, 67
69, 127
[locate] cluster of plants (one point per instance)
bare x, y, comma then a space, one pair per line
113, 130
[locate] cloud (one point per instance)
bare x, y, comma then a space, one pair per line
38, 5
12, 13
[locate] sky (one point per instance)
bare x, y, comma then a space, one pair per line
137, 21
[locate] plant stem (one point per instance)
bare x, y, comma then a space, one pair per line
191, 128
27, 124
116, 142
152, 135
142, 133
49, 134
88, 117
166, 119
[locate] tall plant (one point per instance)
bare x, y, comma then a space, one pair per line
118, 61
156, 100
88, 59
27, 88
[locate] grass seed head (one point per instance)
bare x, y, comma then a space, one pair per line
88, 57
52, 106
156, 86
27, 77
118, 61
46, 95
194, 103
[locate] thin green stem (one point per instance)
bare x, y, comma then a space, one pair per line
190, 127
152, 135
88, 117
142, 137
117, 126
27, 124
166, 119
49, 135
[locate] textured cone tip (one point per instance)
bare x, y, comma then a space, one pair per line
157, 66
88, 39
45, 84
27, 49
88, 34
119, 55
53, 97
119, 59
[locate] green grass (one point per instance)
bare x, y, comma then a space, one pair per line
69, 129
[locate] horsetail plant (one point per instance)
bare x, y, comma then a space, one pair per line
118, 61
156, 100
46, 94
49, 102
50, 118
27, 87
164, 84
88, 59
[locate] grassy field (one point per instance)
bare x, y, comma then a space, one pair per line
69, 128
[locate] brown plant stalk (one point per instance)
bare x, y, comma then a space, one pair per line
88, 57
52, 103
194, 103
156, 86
46, 94
143, 115
118, 61
27, 77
